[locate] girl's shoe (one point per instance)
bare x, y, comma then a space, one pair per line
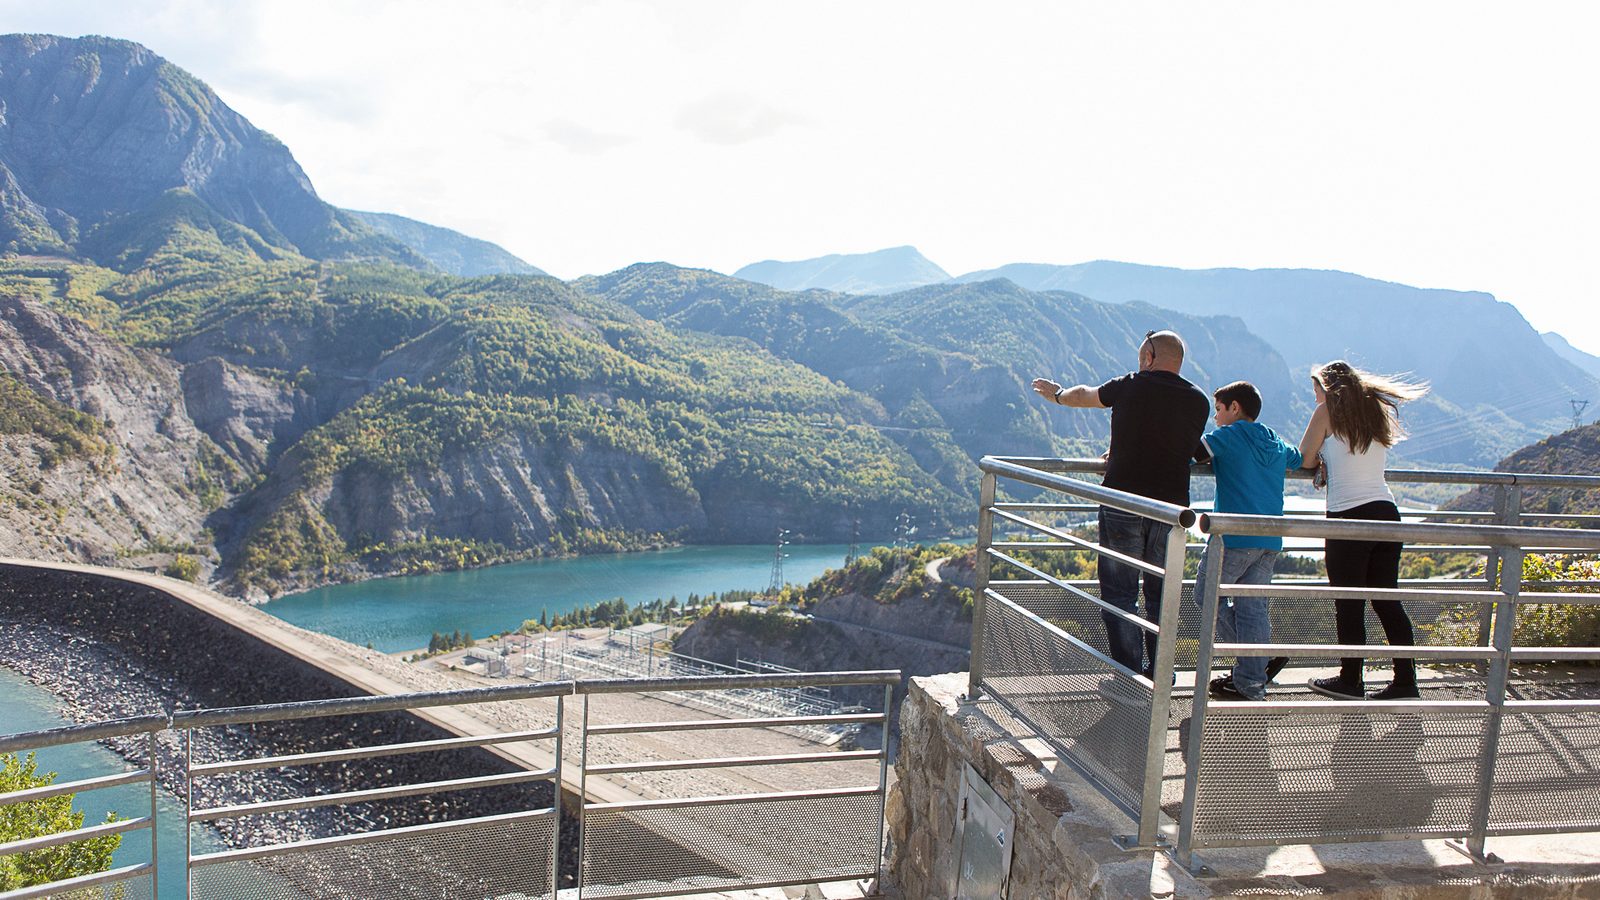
1335, 687
1395, 691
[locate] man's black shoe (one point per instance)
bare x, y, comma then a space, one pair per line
1395, 691
1274, 666
1335, 687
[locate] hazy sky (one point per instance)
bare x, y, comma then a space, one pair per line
1446, 144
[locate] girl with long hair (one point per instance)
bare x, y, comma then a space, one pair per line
1355, 423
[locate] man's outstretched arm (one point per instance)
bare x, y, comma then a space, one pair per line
1081, 396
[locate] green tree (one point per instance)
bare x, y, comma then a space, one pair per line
183, 567
35, 818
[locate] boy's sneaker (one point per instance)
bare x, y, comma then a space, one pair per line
1336, 687
1220, 683
1227, 691
1274, 666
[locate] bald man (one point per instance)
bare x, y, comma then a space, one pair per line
1157, 418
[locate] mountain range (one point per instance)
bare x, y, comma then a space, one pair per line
1497, 383
206, 368
882, 272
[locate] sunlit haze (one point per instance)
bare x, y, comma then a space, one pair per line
1437, 144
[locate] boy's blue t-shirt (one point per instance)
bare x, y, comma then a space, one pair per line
1250, 460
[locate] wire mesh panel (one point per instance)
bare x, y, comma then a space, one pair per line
1089, 709
1547, 772
1336, 776
660, 850
498, 857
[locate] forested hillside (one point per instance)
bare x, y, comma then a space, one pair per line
1573, 452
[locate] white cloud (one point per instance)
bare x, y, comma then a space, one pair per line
730, 118
579, 138
1439, 143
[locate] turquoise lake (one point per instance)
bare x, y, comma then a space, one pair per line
398, 614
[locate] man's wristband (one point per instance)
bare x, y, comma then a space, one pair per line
1057, 397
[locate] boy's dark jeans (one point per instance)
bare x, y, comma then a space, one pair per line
1139, 538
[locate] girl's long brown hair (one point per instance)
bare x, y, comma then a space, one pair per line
1363, 407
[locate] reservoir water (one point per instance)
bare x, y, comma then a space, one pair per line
27, 707
398, 614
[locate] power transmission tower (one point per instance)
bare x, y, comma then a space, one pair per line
1578, 406
776, 583
855, 542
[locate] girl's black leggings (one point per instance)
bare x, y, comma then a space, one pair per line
1369, 564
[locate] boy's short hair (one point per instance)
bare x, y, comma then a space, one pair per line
1243, 393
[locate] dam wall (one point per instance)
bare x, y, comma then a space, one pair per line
119, 644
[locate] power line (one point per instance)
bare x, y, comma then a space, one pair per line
1578, 406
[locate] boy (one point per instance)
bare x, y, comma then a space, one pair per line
1249, 460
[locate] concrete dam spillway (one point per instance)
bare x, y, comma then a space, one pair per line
117, 643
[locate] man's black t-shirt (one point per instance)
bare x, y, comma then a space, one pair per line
1156, 422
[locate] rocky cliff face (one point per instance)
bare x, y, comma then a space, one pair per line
516, 493
150, 494
247, 414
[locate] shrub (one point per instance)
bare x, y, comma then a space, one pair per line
183, 567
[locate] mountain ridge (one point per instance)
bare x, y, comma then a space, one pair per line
76, 149
448, 250
878, 272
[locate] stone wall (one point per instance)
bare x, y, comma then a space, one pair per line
1061, 846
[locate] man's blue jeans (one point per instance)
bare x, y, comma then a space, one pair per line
1245, 620
1140, 538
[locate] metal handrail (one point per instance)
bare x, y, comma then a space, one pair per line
1024, 470
1090, 466
78, 734
1399, 532
345, 706
1502, 534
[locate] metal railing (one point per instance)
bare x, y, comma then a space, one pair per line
1477, 766
138, 880
397, 829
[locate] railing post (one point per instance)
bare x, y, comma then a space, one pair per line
555, 800
155, 829
188, 810
1505, 625
883, 776
583, 790
981, 584
1161, 694
1206, 594
1507, 511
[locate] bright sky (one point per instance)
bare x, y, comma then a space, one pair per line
1441, 144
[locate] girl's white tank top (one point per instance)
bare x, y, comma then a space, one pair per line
1354, 478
